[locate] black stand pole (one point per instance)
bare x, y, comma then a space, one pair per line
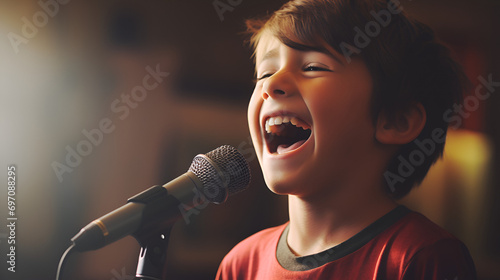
151, 264
154, 232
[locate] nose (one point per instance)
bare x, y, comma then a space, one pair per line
278, 85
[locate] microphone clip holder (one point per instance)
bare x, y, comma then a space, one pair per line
152, 235
153, 255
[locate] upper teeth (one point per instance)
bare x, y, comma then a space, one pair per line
278, 120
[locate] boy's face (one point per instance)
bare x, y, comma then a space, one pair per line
323, 105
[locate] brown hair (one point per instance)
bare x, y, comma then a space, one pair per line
406, 62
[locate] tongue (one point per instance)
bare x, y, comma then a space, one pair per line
285, 148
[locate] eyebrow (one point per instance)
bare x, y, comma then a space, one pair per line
270, 54
302, 48
308, 48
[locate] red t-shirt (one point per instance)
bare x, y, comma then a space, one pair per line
400, 245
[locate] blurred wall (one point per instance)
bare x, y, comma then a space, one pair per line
78, 71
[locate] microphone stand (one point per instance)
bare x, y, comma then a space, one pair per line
154, 235
153, 255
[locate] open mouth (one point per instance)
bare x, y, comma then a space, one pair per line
285, 133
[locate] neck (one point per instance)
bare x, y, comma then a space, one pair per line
319, 223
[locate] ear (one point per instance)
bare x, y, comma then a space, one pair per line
403, 127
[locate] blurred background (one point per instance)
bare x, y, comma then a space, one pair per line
69, 68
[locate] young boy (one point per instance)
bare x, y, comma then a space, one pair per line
347, 92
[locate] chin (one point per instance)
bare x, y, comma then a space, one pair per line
281, 189
284, 185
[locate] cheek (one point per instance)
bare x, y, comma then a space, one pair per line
342, 114
254, 107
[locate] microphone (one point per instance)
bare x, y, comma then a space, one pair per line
212, 177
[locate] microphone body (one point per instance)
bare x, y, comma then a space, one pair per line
211, 178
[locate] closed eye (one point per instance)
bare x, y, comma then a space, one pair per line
264, 76
261, 78
316, 68
309, 68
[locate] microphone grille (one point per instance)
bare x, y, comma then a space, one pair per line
223, 172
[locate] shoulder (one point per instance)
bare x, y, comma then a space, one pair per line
250, 253
257, 243
415, 232
420, 230
423, 250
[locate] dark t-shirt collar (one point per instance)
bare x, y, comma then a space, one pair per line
290, 261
